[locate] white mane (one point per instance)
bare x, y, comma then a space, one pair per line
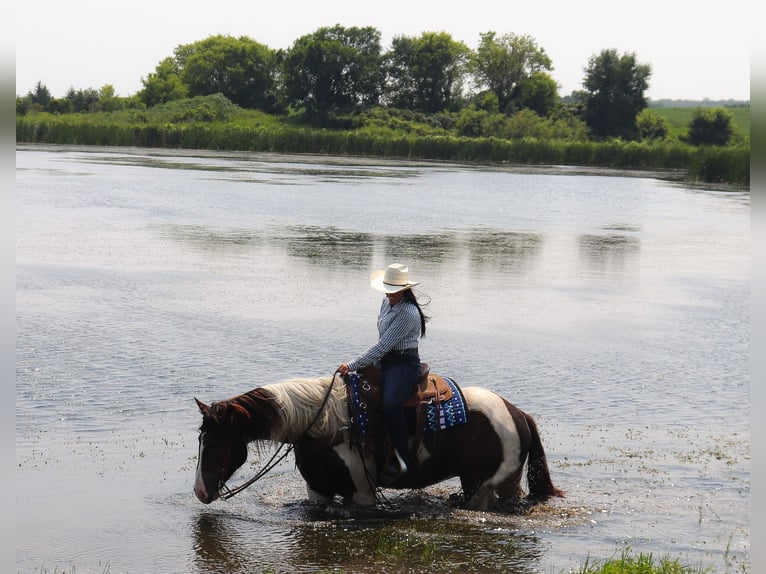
299, 401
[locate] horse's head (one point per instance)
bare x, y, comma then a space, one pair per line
222, 448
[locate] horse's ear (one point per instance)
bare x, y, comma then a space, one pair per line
203, 408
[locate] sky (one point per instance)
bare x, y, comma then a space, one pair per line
696, 50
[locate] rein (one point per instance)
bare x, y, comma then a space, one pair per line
227, 493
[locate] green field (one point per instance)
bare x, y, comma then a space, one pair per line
679, 118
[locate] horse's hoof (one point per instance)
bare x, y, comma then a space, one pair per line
392, 474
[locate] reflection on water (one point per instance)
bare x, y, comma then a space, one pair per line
272, 168
203, 237
363, 541
485, 249
432, 248
611, 252
500, 251
329, 246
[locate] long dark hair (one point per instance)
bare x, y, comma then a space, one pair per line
409, 296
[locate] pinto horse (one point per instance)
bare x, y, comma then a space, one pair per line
487, 453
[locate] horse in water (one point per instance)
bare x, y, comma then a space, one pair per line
317, 417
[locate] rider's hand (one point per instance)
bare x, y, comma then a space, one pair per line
343, 369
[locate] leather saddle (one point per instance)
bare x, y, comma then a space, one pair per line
431, 387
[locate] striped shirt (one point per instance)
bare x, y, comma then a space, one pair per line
398, 329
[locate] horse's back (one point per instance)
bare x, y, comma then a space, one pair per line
488, 402
507, 421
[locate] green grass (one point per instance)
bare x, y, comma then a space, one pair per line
678, 119
629, 563
214, 123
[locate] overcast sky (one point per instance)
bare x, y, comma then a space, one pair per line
696, 49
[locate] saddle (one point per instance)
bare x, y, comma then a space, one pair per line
366, 407
430, 387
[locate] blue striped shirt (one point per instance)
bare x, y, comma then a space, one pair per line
398, 329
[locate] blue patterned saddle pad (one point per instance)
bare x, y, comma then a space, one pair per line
444, 415
449, 413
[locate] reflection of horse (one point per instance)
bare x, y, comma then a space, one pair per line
487, 453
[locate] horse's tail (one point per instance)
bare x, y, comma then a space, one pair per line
538, 478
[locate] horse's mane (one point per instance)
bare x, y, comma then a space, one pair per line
298, 402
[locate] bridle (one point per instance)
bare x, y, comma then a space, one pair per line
225, 493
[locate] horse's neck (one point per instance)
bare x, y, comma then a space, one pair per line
306, 410
259, 415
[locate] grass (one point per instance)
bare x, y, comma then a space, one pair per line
214, 123
398, 546
678, 119
629, 563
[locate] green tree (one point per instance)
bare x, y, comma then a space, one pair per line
83, 100
615, 86
241, 69
538, 92
108, 101
164, 85
23, 105
652, 126
334, 70
40, 95
512, 67
60, 106
426, 74
711, 126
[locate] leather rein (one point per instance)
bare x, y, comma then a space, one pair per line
225, 493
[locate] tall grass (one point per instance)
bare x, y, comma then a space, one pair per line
629, 563
713, 164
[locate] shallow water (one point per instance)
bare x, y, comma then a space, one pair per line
612, 308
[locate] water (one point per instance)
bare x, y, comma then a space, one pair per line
612, 308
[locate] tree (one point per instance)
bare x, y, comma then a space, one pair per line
538, 92
40, 95
504, 65
711, 126
164, 85
615, 86
107, 100
241, 69
652, 126
426, 74
335, 69
83, 100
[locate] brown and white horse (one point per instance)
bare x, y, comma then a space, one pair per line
487, 453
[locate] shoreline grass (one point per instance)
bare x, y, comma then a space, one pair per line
630, 563
727, 165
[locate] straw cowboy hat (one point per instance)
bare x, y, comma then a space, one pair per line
395, 278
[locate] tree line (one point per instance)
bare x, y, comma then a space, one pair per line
335, 74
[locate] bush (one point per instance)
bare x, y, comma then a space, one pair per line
711, 126
652, 126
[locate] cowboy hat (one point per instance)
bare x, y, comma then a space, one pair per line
395, 278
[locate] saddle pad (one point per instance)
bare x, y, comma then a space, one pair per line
449, 413
358, 405
444, 415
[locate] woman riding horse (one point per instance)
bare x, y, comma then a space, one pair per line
401, 322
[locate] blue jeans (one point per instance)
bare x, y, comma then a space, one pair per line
399, 381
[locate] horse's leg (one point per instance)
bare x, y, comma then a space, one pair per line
510, 493
483, 498
315, 496
492, 462
324, 470
363, 494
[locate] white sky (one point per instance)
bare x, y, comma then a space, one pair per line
696, 49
